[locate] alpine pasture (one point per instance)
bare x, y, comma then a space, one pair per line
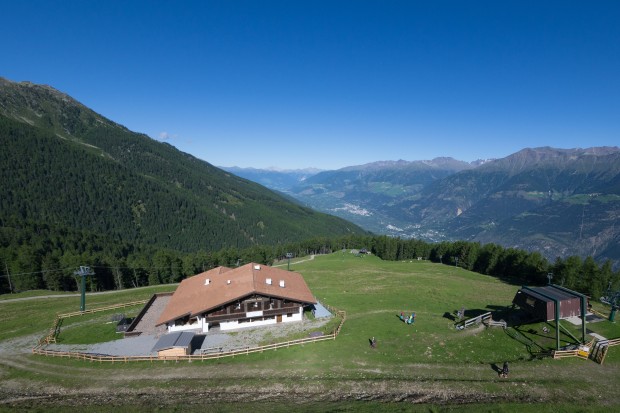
415, 367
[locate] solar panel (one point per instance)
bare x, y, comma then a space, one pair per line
176, 339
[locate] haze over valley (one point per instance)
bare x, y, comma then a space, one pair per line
561, 202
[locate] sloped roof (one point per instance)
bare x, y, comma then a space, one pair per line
177, 339
196, 295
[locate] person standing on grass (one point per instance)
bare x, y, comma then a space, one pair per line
505, 370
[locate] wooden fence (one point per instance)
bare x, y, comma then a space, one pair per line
99, 309
55, 329
597, 350
598, 313
600, 349
474, 320
560, 354
191, 357
40, 350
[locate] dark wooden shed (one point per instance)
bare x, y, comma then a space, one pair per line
553, 303
539, 301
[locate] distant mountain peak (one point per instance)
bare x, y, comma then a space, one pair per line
46, 107
4, 83
444, 162
533, 157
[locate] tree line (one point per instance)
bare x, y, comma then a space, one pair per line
42, 264
515, 265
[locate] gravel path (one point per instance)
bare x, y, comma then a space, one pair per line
230, 340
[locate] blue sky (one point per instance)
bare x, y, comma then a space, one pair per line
329, 84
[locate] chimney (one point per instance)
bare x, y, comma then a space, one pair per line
227, 281
257, 267
207, 281
268, 281
282, 283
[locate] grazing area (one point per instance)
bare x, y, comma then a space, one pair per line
425, 364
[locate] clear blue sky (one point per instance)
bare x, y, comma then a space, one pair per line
329, 84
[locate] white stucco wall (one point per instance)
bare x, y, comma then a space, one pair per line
231, 325
199, 325
294, 316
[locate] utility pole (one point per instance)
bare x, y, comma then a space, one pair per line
83, 272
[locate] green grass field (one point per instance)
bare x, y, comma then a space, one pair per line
427, 366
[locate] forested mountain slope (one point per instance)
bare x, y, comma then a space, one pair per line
64, 166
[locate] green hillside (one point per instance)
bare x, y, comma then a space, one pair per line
427, 366
71, 171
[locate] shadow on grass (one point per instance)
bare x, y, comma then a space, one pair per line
496, 368
524, 333
449, 316
474, 313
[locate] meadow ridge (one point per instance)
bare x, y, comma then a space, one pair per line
426, 365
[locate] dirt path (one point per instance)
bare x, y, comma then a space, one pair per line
198, 383
295, 262
88, 294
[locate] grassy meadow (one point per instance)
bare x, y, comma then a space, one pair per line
426, 366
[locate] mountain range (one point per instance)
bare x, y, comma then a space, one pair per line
68, 170
560, 202
72, 173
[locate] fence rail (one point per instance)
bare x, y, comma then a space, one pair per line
191, 357
598, 313
601, 348
474, 320
55, 329
40, 350
558, 354
99, 309
613, 342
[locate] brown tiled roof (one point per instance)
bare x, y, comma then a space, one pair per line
195, 296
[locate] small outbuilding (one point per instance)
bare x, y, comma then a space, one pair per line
553, 303
174, 344
540, 302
